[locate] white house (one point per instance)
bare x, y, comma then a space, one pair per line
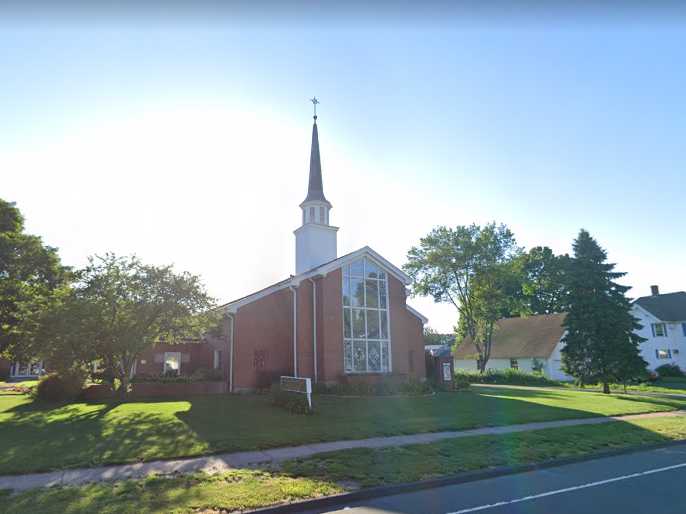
527, 344
663, 317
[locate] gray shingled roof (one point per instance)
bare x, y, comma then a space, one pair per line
520, 338
666, 307
315, 189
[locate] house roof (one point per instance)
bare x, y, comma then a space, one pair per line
322, 270
666, 307
519, 338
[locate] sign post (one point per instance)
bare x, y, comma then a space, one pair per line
298, 385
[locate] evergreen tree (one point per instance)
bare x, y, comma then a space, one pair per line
600, 343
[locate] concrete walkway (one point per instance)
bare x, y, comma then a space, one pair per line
227, 461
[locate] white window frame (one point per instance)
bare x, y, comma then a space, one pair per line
16, 367
345, 274
663, 327
164, 362
667, 354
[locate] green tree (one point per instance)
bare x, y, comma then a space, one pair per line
431, 336
600, 341
30, 274
543, 281
470, 267
118, 308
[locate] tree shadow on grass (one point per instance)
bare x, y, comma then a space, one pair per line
41, 437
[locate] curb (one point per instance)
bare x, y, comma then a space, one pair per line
341, 500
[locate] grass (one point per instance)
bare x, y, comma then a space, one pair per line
327, 473
39, 437
665, 386
226, 492
373, 467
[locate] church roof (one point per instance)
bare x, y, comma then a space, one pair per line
315, 188
323, 269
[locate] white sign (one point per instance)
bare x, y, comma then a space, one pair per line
447, 376
298, 385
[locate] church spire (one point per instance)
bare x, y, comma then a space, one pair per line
315, 240
315, 189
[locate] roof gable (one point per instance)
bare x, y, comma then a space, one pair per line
518, 338
323, 270
665, 307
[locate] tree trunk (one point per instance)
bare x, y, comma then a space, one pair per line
606, 388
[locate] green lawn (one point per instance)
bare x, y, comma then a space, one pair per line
325, 474
226, 492
35, 437
373, 467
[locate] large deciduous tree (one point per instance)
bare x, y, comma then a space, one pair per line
472, 268
543, 281
118, 308
30, 274
601, 343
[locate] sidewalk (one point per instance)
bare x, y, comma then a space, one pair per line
226, 461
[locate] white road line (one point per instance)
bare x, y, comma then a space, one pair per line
569, 489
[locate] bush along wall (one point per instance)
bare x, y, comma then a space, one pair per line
505, 377
291, 401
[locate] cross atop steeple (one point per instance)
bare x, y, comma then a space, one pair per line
314, 104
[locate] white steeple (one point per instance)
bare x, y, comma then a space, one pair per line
315, 240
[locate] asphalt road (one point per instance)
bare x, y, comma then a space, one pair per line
638, 483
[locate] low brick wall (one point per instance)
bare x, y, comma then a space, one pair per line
177, 389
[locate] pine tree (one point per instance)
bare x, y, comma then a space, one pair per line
601, 344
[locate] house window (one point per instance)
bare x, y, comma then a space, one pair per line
172, 363
217, 359
663, 354
514, 364
366, 329
683, 328
659, 330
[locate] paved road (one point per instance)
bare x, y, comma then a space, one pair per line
639, 483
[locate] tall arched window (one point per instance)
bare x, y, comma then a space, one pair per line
367, 344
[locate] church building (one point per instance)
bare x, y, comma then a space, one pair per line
336, 320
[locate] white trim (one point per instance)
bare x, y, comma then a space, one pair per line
424, 319
295, 330
294, 281
314, 326
231, 325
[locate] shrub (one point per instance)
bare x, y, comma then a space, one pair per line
199, 375
291, 401
461, 381
97, 392
60, 387
505, 377
207, 375
669, 370
381, 388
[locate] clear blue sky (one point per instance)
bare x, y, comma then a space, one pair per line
545, 127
